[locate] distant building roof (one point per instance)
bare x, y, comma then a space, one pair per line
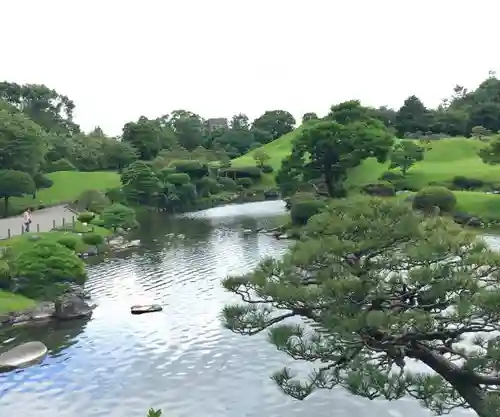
217, 123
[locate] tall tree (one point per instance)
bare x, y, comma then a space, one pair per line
188, 128
377, 285
327, 150
240, 122
140, 184
21, 143
349, 111
14, 184
46, 107
277, 122
144, 135
412, 117
308, 117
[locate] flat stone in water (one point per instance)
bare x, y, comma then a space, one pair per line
23, 355
150, 308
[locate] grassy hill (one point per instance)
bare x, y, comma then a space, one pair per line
444, 159
68, 185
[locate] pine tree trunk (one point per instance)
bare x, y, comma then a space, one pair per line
470, 391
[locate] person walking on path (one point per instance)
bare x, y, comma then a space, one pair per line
27, 220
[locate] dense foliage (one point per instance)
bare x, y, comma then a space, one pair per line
118, 216
377, 285
38, 270
326, 150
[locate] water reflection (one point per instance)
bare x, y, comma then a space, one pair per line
180, 360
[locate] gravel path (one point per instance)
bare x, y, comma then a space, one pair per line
43, 221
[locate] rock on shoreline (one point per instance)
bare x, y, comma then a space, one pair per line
72, 305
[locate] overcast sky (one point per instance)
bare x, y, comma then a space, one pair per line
118, 60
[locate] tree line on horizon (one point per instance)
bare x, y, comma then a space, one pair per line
38, 134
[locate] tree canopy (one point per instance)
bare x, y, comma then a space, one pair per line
328, 149
376, 286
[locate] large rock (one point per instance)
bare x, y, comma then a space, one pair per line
77, 290
23, 355
72, 306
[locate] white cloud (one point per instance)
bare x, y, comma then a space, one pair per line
120, 60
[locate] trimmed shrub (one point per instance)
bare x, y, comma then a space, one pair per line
463, 183
195, 169
227, 184
302, 210
381, 189
241, 172
178, 178
187, 193
60, 165
43, 269
68, 241
42, 181
92, 239
165, 172
98, 222
115, 195
86, 217
244, 182
207, 186
430, 197
92, 200
119, 215
391, 176
267, 169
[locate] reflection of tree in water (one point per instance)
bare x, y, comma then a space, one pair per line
56, 335
156, 229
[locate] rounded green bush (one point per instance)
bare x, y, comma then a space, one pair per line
60, 165
179, 178
207, 186
301, 211
242, 172
244, 182
464, 183
391, 176
381, 189
115, 195
430, 197
119, 215
86, 217
98, 222
68, 241
92, 200
92, 239
228, 184
195, 169
44, 267
42, 181
267, 169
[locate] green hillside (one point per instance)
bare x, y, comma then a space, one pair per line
68, 185
444, 159
277, 150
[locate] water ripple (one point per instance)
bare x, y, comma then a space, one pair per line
181, 359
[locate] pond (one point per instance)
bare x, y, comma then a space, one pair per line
181, 359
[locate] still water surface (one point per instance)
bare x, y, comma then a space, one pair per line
180, 360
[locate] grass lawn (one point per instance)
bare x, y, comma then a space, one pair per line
22, 242
486, 206
14, 302
68, 185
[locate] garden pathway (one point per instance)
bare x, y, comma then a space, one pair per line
43, 221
